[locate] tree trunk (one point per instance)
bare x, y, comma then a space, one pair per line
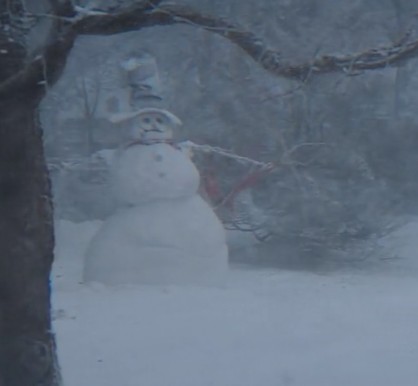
27, 347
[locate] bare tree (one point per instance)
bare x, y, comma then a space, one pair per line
27, 348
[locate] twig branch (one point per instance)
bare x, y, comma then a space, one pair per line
223, 152
285, 159
294, 148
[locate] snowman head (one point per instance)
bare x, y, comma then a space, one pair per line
150, 125
154, 125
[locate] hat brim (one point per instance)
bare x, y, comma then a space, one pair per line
121, 117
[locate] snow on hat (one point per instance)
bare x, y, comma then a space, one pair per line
121, 117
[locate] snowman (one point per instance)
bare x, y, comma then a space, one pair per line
162, 232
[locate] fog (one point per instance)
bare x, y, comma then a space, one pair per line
314, 182
354, 134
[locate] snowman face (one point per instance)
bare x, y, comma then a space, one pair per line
153, 127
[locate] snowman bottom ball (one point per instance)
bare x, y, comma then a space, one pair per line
175, 242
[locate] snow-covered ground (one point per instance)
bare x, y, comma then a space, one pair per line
264, 328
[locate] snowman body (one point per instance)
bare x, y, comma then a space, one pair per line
157, 172
163, 231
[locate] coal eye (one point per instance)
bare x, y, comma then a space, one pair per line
159, 120
146, 120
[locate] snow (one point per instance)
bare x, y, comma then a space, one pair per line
166, 242
264, 327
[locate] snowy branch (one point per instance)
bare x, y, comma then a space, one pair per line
69, 22
272, 60
88, 11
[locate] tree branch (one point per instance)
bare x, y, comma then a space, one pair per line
30, 84
131, 18
270, 59
148, 13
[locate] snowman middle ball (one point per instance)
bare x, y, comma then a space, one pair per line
146, 173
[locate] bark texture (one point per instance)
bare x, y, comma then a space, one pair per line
26, 240
27, 344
